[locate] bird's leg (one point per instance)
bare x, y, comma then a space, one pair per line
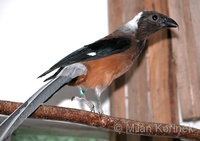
98, 91
83, 98
100, 109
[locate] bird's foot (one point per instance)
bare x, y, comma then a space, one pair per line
88, 103
100, 109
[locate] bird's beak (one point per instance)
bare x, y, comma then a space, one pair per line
168, 22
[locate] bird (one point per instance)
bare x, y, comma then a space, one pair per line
111, 56
93, 66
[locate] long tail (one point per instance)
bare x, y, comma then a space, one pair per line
11, 123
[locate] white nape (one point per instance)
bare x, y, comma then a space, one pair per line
134, 22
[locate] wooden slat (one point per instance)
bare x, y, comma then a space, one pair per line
117, 97
117, 89
137, 95
118, 107
162, 80
136, 77
137, 91
115, 18
186, 51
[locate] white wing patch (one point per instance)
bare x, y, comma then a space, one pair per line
92, 54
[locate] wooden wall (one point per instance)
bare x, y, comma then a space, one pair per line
169, 67
186, 51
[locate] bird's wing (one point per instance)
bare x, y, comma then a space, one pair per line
99, 49
11, 123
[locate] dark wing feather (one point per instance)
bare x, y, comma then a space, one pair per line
102, 48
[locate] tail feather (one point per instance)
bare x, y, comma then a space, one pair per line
54, 75
11, 123
45, 73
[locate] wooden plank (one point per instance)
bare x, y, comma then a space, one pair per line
136, 78
162, 80
192, 64
195, 7
138, 91
115, 18
117, 89
137, 95
186, 51
117, 97
118, 107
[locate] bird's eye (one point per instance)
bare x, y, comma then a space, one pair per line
154, 17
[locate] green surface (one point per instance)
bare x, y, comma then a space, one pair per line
50, 134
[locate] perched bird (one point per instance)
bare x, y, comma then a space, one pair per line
94, 66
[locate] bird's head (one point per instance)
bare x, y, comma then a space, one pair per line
149, 22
